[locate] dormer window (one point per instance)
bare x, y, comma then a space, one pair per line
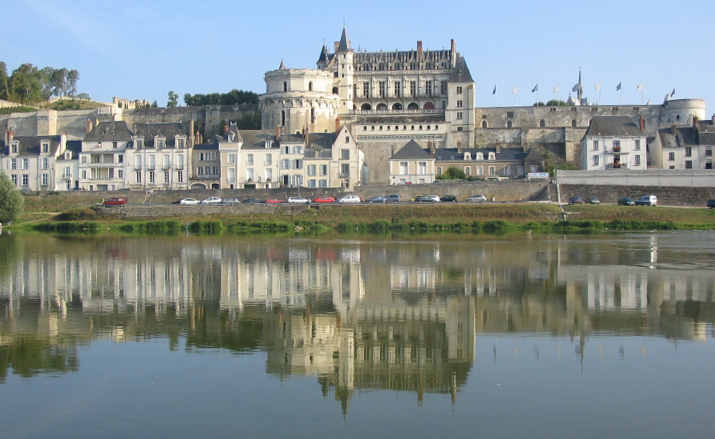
467, 156
68, 155
13, 148
492, 156
159, 142
45, 147
180, 143
99, 144
268, 143
139, 143
480, 156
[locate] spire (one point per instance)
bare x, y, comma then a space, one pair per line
580, 85
323, 54
344, 41
282, 66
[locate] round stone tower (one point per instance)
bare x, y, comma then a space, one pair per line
299, 98
682, 111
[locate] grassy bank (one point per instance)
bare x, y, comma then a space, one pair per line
379, 219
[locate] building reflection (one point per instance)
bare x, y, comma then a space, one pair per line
358, 315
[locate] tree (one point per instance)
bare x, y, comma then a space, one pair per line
173, 99
4, 82
453, 173
72, 78
556, 103
11, 200
83, 96
26, 84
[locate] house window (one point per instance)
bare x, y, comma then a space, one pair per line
344, 154
366, 89
422, 168
311, 183
249, 160
13, 148
120, 173
638, 160
616, 145
120, 158
311, 170
439, 170
344, 170
688, 151
180, 176
671, 156
688, 164
115, 145
166, 176
25, 163
595, 145
140, 143
507, 170
180, 143
347, 139
25, 179
459, 104
492, 170
45, 179
269, 174
45, 163
232, 158
467, 156
269, 160
520, 170
13, 163
14, 179
459, 115
638, 144
323, 170
459, 90
45, 147
323, 183
139, 176
492, 156
480, 170
468, 170
595, 160
84, 174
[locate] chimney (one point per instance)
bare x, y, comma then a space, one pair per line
674, 129
337, 125
459, 147
10, 135
278, 133
191, 130
419, 51
713, 119
134, 129
498, 147
225, 128
306, 135
337, 45
63, 143
641, 123
89, 126
430, 145
695, 121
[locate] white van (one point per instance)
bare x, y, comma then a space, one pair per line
647, 200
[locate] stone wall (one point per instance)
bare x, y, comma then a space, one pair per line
649, 177
159, 211
667, 196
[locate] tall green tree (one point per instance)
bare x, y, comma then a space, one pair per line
11, 200
173, 99
4, 82
72, 77
26, 84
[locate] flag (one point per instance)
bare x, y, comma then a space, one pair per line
576, 87
513, 90
618, 87
672, 93
495, 90
556, 89
536, 88
598, 87
640, 86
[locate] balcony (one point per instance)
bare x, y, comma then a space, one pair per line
616, 166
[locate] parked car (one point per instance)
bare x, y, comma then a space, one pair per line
477, 199
188, 201
593, 200
271, 200
115, 201
625, 201
211, 200
394, 198
252, 201
448, 199
324, 199
378, 199
231, 201
647, 200
711, 204
427, 199
350, 199
575, 200
297, 200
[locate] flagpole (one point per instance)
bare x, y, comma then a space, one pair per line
621, 95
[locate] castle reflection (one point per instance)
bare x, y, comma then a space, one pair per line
357, 314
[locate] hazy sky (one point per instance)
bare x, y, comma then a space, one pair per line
140, 49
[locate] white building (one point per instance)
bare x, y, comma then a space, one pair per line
613, 142
30, 161
102, 163
689, 147
158, 157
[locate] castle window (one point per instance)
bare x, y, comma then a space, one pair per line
459, 115
509, 124
310, 86
312, 115
509, 114
484, 124
459, 90
381, 89
459, 104
285, 86
413, 88
428, 88
573, 123
398, 89
542, 123
283, 118
335, 90
366, 89
443, 88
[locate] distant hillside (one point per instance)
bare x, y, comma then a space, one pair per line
74, 104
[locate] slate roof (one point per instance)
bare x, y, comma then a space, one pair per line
166, 129
206, 147
411, 151
505, 154
30, 145
344, 45
614, 126
460, 73
680, 137
109, 132
72, 145
256, 139
706, 132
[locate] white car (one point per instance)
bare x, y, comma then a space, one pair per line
231, 201
350, 199
297, 200
477, 199
188, 201
211, 200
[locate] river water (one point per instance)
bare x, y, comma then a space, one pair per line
587, 336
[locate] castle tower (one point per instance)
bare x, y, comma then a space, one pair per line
343, 80
296, 98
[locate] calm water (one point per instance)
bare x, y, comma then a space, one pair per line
551, 337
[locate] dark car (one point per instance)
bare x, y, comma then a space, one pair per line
449, 199
427, 199
625, 201
594, 200
711, 204
575, 200
377, 200
252, 201
394, 198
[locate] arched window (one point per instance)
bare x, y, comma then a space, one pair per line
335, 90
509, 124
484, 124
381, 107
542, 123
310, 86
428, 106
397, 106
413, 106
573, 123
366, 107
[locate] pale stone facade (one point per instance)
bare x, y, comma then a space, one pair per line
614, 142
30, 161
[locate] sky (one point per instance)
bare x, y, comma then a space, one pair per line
139, 49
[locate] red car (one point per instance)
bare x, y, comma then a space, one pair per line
116, 201
270, 200
324, 199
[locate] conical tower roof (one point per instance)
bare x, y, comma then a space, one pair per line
344, 45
